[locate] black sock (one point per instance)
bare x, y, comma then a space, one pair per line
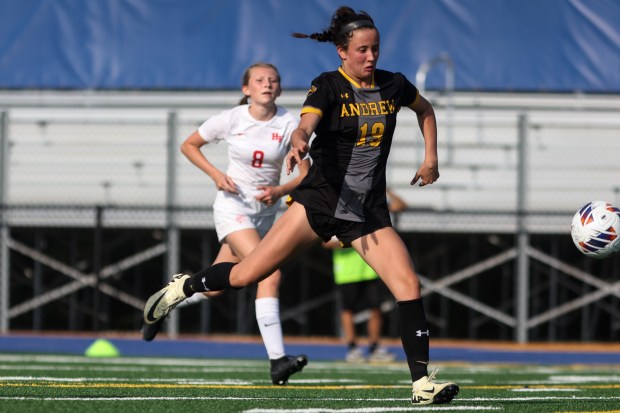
372, 347
415, 336
214, 278
351, 345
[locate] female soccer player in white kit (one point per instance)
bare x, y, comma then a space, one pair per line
258, 137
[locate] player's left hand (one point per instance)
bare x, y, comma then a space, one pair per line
426, 174
269, 196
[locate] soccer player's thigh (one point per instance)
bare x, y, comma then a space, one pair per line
386, 253
243, 241
289, 235
225, 254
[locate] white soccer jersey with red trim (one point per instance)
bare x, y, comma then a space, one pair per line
256, 149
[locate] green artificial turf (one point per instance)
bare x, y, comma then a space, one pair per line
45, 383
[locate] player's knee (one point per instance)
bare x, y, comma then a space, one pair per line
406, 282
415, 282
239, 280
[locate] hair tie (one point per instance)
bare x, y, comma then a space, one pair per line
354, 25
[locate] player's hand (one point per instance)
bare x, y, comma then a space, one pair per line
269, 196
426, 174
295, 155
225, 183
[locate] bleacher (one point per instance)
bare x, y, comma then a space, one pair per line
111, 150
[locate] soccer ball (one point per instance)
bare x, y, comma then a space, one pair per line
596, 229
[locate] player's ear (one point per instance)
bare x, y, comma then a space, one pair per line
246, 90
342, 52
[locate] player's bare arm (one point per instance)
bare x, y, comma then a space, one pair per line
271, 194
428, 172
299, 140
191, 149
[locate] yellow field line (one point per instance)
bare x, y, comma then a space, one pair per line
545, 386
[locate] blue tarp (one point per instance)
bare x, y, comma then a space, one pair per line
503, 45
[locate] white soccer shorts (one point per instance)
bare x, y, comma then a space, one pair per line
233, 213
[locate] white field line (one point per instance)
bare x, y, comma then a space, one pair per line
143, 361
197, 363
458, 401
201, 364
572, 379
197, 370
541, 398
236, 398
183, 380
584, 379
180, 380
225, 382
546, 389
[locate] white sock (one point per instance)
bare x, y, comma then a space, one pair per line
268, 317
197, 298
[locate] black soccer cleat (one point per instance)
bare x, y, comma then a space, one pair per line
285, 367
150, 331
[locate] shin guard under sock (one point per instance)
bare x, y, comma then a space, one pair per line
415, 336
268, 318
213, 278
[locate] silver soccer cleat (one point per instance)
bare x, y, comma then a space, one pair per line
163, 301
426, 391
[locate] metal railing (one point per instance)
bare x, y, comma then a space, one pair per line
491, 187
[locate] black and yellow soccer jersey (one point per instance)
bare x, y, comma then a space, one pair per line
352, 143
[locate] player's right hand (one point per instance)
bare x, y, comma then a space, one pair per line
295, 156
225, 183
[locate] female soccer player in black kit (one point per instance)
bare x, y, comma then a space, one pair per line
352, 111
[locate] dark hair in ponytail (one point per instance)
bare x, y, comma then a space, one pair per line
343, 22
245, 79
